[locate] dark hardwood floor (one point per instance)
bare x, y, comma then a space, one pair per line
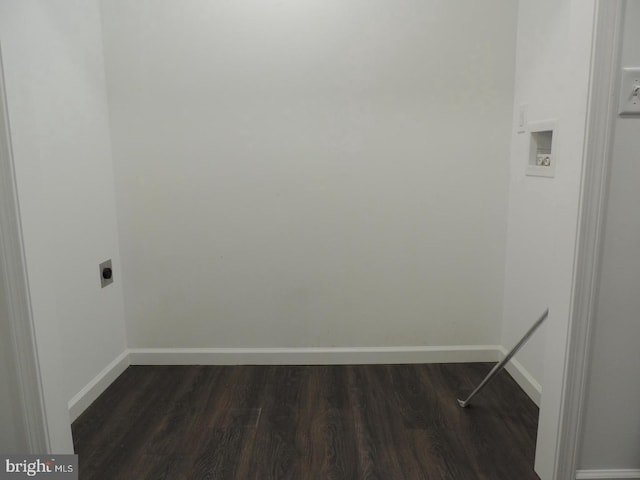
307, 422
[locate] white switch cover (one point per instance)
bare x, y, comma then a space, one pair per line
630, 92
521, 123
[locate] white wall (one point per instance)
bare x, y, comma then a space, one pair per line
311, 173
12, 434
552, 77
541, 51
611, 433
58, 112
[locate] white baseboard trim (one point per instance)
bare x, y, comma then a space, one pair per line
299, 356
628, 474
523, 378
99, 384
313, 356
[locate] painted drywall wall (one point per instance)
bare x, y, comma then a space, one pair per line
13, 437
12, 434
57, 107
541, 51
311, 173
611, 432
552, 78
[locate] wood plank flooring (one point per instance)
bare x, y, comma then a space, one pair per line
382, 422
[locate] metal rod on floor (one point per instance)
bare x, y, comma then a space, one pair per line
501, 364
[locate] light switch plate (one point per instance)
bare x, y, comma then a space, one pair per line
521, 121
629, 97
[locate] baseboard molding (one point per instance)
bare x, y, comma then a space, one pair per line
628, 474
99, 384
523, 378
313, 356
299, 356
